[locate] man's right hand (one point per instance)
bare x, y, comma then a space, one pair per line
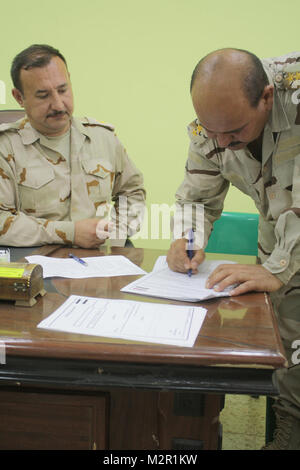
85, 233
178, 259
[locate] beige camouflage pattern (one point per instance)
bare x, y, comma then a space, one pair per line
274, 186
42, 194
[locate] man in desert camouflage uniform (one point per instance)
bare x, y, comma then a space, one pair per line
247, 133
59, 174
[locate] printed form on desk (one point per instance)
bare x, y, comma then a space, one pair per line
126, 319
164, 283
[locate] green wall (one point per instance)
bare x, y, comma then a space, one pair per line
131, 62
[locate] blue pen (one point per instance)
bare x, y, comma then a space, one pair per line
190, 248
79, 260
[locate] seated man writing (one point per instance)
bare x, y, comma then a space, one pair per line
59, 174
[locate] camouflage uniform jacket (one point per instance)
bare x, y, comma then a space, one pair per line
273, 183
42, 194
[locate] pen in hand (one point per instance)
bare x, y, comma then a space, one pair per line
190, 248
79, 260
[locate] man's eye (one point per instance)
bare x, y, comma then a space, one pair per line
42, 97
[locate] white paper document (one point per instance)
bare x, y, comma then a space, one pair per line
98, 266
167, 284
125, 319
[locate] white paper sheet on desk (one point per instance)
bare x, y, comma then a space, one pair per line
167, 284
98, 266
126, 319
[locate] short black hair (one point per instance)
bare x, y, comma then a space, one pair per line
254, 81
37, 55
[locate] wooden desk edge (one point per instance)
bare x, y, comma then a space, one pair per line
139, 353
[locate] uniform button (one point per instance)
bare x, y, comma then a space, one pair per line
282, 262
278, 78
272, 195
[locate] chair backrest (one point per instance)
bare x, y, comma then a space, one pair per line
11, 115
234, 233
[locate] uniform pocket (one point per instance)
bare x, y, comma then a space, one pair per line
99, 179
38, 191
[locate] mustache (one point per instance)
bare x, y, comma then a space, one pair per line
234, 144
57, 113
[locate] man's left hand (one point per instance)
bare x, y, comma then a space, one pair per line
248, 277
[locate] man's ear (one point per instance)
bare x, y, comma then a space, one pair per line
18, 96
268, 95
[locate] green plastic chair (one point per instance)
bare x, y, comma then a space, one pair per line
234, 233
237, 233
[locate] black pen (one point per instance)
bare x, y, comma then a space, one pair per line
79, 260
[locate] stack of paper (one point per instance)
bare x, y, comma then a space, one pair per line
167, 284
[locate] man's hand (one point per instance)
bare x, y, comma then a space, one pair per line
85, 233
248, 277
178, 259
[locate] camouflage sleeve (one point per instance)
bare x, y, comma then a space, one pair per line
128, 196
200, 198
284, 260
18, 228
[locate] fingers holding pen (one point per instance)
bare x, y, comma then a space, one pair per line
194, 262
178, 260
177, 257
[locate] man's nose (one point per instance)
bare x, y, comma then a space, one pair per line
57, 102
224, 139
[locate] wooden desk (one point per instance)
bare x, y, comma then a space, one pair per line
61, 390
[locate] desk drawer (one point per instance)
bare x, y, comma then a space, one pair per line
52, 421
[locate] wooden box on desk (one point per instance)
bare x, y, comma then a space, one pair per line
21, 282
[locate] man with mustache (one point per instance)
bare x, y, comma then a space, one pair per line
247, 133
58, 173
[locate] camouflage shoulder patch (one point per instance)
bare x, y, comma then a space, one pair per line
287, 80
285, 70
90, 122
291, 80
196, 132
